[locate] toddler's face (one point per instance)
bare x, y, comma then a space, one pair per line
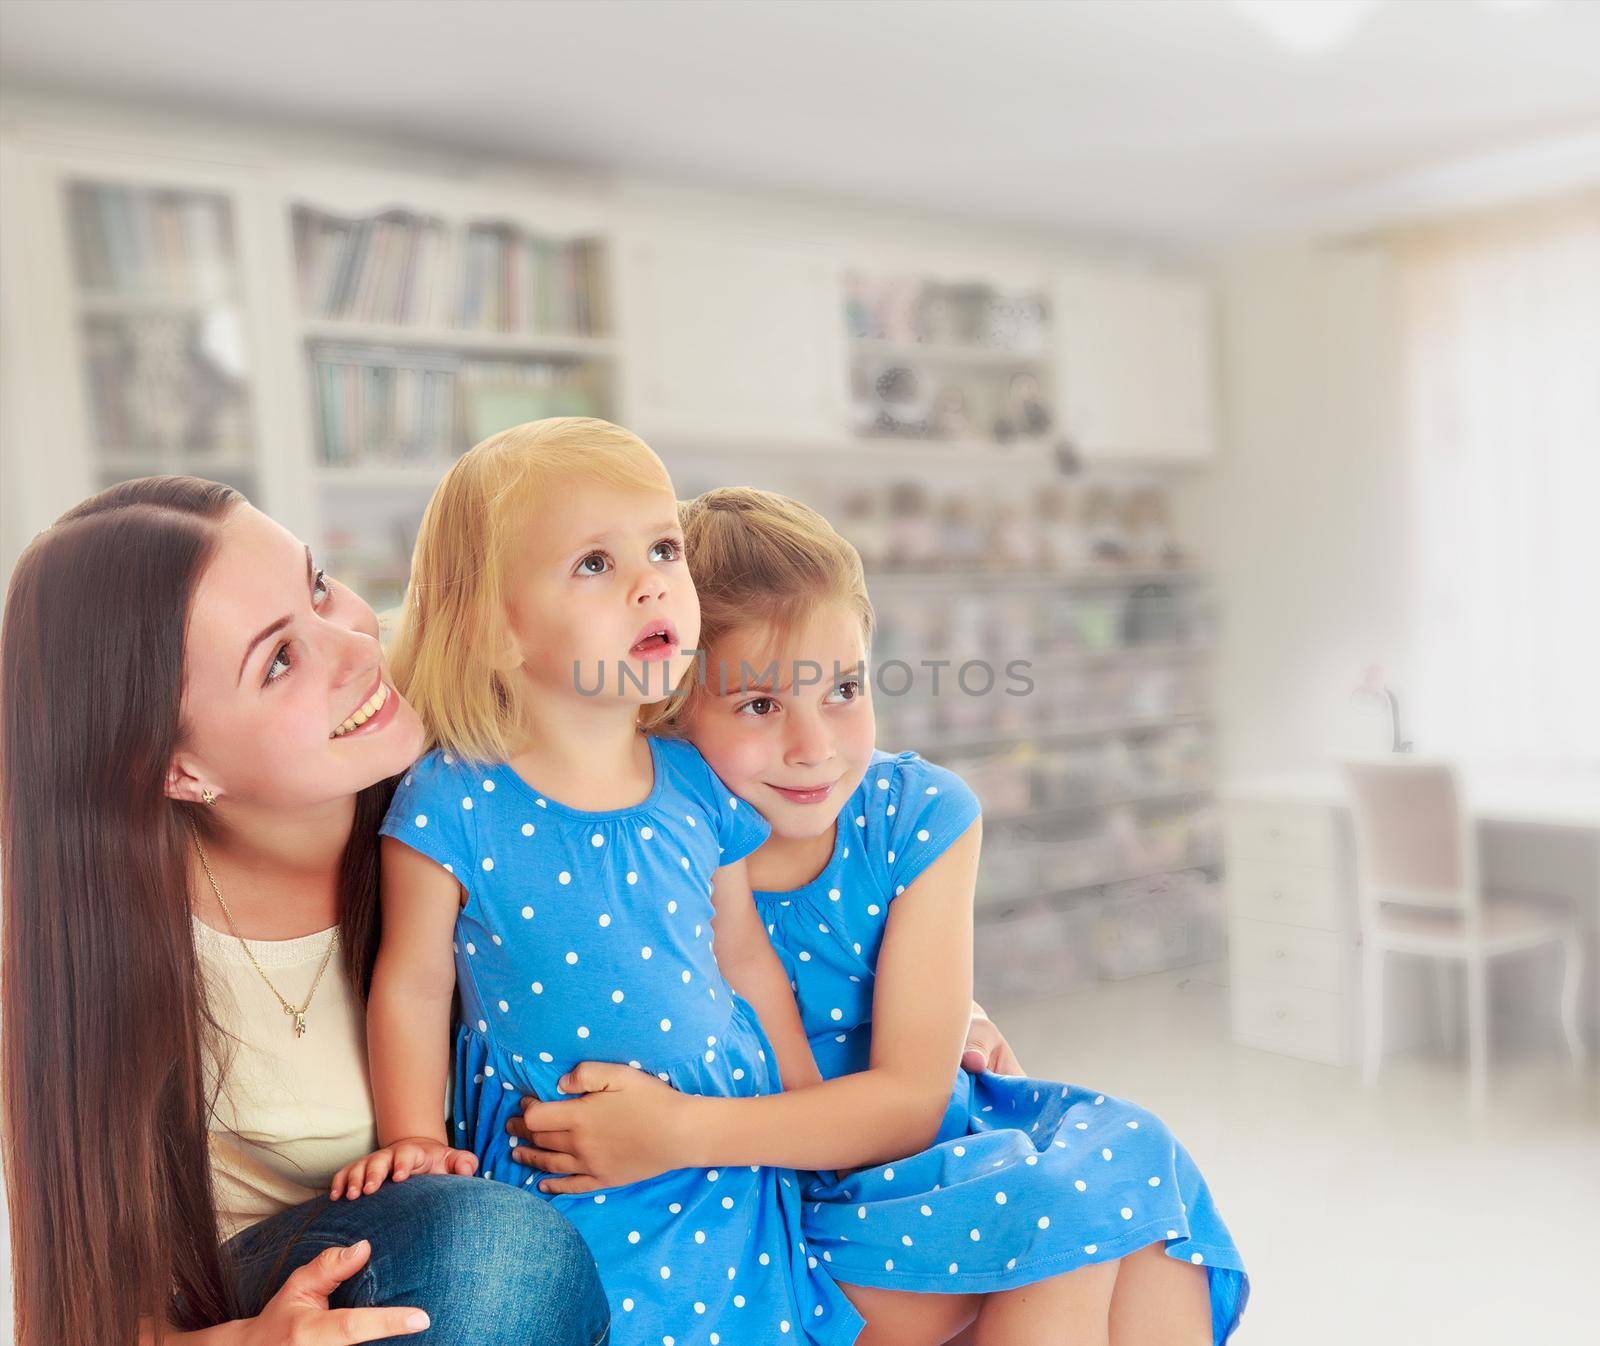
598, 597
793, 745
278, 664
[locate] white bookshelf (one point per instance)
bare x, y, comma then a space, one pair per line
726, 342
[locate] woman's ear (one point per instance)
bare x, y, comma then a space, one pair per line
184, 785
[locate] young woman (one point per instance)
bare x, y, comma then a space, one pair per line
197, 742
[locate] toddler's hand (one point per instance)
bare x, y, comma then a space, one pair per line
413, 1154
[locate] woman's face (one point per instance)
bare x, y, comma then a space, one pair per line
280, 664
795, 745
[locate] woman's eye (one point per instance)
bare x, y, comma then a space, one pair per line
670, 545
321, 587
280, 663
599, 556
750, 707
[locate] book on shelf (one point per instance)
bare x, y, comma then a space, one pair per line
407, 269
137, 240
378, 406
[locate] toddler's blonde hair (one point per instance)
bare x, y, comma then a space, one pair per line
452, 624
759, 559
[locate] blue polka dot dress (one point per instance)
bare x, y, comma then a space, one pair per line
587, 936
1027, 1178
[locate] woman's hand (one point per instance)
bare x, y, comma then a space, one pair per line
298, 1315
987, 1048
626, 1127
413, 1154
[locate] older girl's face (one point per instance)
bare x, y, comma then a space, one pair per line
793, 733
286, 701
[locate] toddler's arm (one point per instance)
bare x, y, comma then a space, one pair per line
408, 1025
746, 958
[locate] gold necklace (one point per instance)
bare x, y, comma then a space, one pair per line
298, 1015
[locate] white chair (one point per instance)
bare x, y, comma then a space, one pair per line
1418, 893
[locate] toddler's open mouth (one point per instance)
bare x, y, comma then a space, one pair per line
658, 640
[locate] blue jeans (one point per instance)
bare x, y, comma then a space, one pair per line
492, 1265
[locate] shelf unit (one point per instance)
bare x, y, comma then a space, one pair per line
429, 315
159, 338
1102, 844
731, 340
964, 363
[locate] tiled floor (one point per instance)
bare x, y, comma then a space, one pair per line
1365, 1218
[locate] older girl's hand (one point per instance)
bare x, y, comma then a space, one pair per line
298, 1315
626, 1126
987, 1048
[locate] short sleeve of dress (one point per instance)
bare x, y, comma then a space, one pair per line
740, 828
927, 808
432, 812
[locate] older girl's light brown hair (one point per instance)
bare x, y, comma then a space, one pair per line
452, 625
759, 560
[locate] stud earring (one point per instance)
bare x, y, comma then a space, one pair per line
208, 796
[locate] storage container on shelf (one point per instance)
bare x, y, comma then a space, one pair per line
1205, 832
1056, 626
1129, 939
960, 713
1208, 932
1158, 922
1007, 866
1001, 780
1162, 837
1099, 619
1008, 626
1073, 862
1077, 916
1011, 703
1031, 949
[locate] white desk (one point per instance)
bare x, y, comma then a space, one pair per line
1290, 879
1494, 794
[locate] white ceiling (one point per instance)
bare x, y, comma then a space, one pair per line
1174, 118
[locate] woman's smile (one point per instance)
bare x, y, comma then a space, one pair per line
371, 715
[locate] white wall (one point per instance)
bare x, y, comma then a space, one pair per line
1306, 515
1303, 512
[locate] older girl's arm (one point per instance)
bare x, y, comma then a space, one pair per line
627, 1126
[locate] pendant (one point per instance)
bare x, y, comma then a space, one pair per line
299, 1022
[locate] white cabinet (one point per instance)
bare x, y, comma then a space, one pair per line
1135, 366
1291, 929
1292, 932
731, 338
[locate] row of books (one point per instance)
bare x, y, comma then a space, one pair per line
137, 240
405, 269
386, 408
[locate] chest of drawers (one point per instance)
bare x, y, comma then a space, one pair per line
1291, 927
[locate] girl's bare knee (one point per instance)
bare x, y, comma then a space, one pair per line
1074, 1306
904, 1318
1160, 1301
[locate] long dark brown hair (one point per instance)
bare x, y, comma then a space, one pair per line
105, 1020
